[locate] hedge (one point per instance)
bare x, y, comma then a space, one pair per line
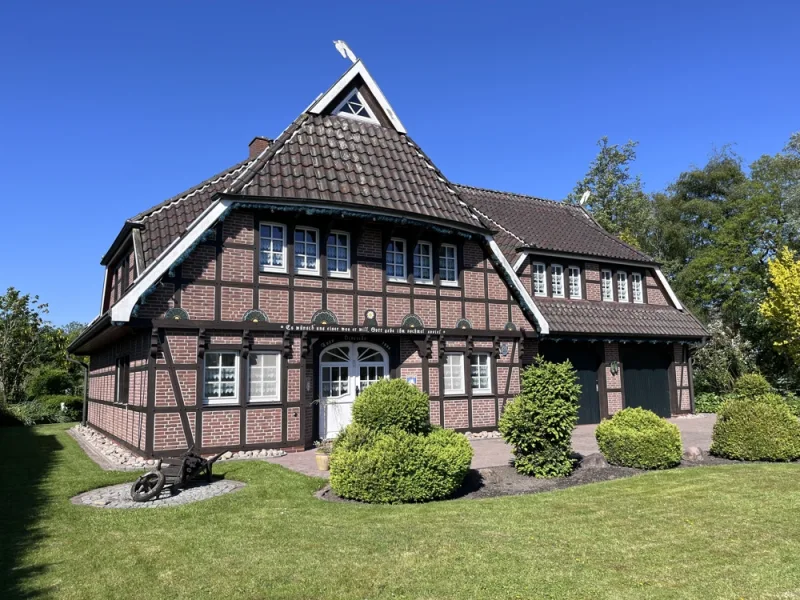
392, 403
639, 438
761, 429
394, 466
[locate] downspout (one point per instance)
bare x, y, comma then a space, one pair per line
85, 368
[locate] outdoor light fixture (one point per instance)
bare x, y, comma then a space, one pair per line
614, 367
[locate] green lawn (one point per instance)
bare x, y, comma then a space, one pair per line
723, 532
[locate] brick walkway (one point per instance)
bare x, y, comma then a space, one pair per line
695, 431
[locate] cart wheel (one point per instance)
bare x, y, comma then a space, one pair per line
148, 486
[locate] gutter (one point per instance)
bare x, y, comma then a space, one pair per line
544, 327
94, 328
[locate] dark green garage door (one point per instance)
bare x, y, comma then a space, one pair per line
585, 358
645, 372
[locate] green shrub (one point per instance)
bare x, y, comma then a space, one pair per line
638, 438
761, 429
708, 402
751, 385
8, 417
35, 412
538, 423
48, 381
793, 402
392, 403
73, 405
393, 465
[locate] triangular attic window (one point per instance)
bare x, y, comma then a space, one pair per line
354, 106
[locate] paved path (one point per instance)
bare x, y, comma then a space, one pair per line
695, 431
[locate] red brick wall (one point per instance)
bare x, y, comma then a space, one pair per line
456, 414
264, 425
483, 412
220, 428
237, 265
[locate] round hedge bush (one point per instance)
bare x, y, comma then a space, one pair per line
639, 438
394, 466
751, 385
760, 429
392, 404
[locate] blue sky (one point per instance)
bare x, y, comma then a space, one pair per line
108, 108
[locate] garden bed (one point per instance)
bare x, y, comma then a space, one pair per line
493, 482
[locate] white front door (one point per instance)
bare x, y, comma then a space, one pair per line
345, 370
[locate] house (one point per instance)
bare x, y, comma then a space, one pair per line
249, 311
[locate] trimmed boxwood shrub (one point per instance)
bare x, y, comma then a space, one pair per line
760, 429
751, 386
393, 465
539, 422
392, 403
639, 438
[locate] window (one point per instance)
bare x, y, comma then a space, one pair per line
453, 373
221, 377
396, 259
265, 377
354, 106
557, 283
306, 251
481, 374
448, 265
423, 262
539, 279
338, 254
636, 284
574, 282
607, 286
622, 286
122, 381
273, 247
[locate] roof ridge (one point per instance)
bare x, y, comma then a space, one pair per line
517, 194
190, 192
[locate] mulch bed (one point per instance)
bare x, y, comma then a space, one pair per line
493, 482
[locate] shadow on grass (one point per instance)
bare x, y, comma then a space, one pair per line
26, 459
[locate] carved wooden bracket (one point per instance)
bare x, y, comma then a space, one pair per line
287, 344
495, 347
155, 343
202, 344
470, 346
305, 347
441, 348
247, 343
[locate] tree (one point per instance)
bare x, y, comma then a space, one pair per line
722, 360
617, 201
22, 341
781, 307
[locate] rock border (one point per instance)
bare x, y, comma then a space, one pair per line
118, 496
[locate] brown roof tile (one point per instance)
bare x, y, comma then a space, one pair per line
549, 225
614, 318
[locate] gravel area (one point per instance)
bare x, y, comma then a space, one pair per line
118, 496
111, 456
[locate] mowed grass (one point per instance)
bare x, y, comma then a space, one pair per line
722, 532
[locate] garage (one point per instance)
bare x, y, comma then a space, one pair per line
645, 374
586, 358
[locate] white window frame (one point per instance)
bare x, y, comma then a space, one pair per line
423, 244
450, 282
272, 268
460, 366
488, 357
370, 119
278, 368
621, 288
345, 274
306, 270
638, 288
404, 254
559, 278
579, 293
535, 273
220, 400
610, 280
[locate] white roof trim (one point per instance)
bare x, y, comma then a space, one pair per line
589, 258
544, 327
319, 105
667, 287
520, 260
122, 310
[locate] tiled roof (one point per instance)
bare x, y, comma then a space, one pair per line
167, 221
344, 161
549, 225
613, 318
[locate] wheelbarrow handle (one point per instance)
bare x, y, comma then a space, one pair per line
211, 461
